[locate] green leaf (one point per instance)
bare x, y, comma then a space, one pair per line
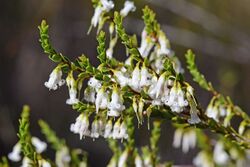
101, 47
197, 76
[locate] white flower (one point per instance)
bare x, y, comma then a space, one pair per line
177, 138
164, 45
102, 99
81, 126
135, 80
108, 129
203, 160
43, 163
138, 161
110, 50
26, 162
123, 158
40, 146
94, 83
15, 155
63, 157
220, 155
121, 78
189, 140
148, 161
146, 44
89, 94
55, 79
123, 131
97, 15
152, 90
212, 112
95, 129
116, 130
71, 83
128, 6
145, 79
107, 5
116, 105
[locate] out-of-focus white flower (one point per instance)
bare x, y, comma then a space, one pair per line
108, 129
43, 163
94, 83
63, 157
138, 161
107, 5
164, 44
203, 160
89, 94
123, 158
121, 78
220, 155
177, 138
15, 155
94, 129
55, 79
40, 146
116, 105
148, 161
110, 50
116, 130
71, 83
135, 80
81, 126
123, 131
128, 7
26, 162
97, 15
146, 44
212, 112
102, 99
145, 79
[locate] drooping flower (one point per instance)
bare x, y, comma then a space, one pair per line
220, 155
26, 162
63, 157
128, 7
39, 145
212, 112
43, 163
145, 79
15, 155
94, 129
108, 129
123, 158
94, 83
72, 86
55, 79
138, 161
164, 48
146, 44
203, 159
135, 80
116, 105
89, 94
116, 130
123, 131
81, 126
107, 5
102, 99
121, 78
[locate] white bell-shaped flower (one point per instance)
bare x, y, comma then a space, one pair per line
152, 87
121, 78
146, 44
102, 99
164, 48
220, 155
26, 162
177, 137
189, 140
138, 161
135, 80
81, 126
129, 6
97, 15
94, 83
145, 79
212, 112
43, 163
116, 130
123, 158
116, 105
123, 131
72, 86
39, 145
107, 5
89, 94
108, 129
63, 157
94, 129
55, 79
15, 155
203, 160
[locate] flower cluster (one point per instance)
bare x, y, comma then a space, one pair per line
99, 127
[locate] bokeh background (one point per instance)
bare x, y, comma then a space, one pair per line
218, 32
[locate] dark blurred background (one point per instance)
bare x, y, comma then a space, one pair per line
218, 32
